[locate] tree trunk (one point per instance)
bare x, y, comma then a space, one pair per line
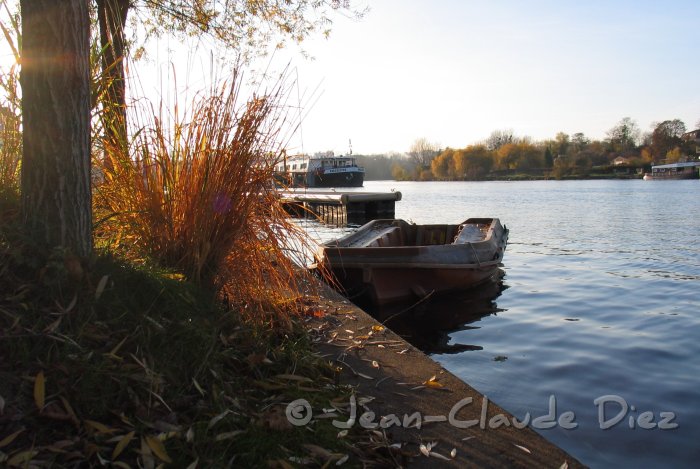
55, 79
111, 17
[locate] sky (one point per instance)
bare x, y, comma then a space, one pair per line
453, 71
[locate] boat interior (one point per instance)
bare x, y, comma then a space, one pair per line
398, 233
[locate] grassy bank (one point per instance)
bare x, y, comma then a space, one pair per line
130, 365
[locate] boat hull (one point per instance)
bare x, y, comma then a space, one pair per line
388, 261
672, 177
339, 179
382, 286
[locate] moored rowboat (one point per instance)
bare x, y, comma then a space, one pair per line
392, 260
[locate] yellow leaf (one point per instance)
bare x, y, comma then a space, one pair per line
433, 384
123, 443
22, 458
69, 410
158, 449
10, 438
40, 390
378, 328
98, 427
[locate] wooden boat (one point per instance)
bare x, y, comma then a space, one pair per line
386, 261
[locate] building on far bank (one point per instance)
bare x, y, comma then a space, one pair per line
692, 137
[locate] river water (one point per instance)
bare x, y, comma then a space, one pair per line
599, 302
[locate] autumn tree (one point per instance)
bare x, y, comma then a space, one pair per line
519, 156
422, 152
665, 137
579, 141
55, 79
473, 162
624, 136
242, 25
443, 165
498, 138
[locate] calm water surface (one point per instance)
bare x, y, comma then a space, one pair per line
600, 297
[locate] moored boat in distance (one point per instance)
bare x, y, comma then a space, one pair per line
386, 261
320, 170
682, 170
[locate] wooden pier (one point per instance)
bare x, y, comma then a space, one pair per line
340, 208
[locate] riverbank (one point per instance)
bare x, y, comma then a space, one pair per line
433, 418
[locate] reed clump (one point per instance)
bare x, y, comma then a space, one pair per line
10, 114
193, 192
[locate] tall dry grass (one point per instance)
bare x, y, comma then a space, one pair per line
194, 193
10, 107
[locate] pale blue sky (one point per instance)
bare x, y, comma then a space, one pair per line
454, 71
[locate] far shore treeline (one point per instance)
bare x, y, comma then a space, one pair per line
625, 153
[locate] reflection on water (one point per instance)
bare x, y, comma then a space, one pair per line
602, 299
427, 324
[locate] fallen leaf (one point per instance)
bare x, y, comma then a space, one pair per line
123, 443
282, 463
51, 328
375, 364
146, 458
228, 435
424, 450
39, 390
193, 464
565, 465
342, 434
438, 456
101, 285
218, 418
69, 411
10, 438
199, 388
342, 460
158, 448
318, 451
378, 328
98, 427
21, 459
453, 453
523, 448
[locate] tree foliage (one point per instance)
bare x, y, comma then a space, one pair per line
665, 137
624, 136
422, 152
